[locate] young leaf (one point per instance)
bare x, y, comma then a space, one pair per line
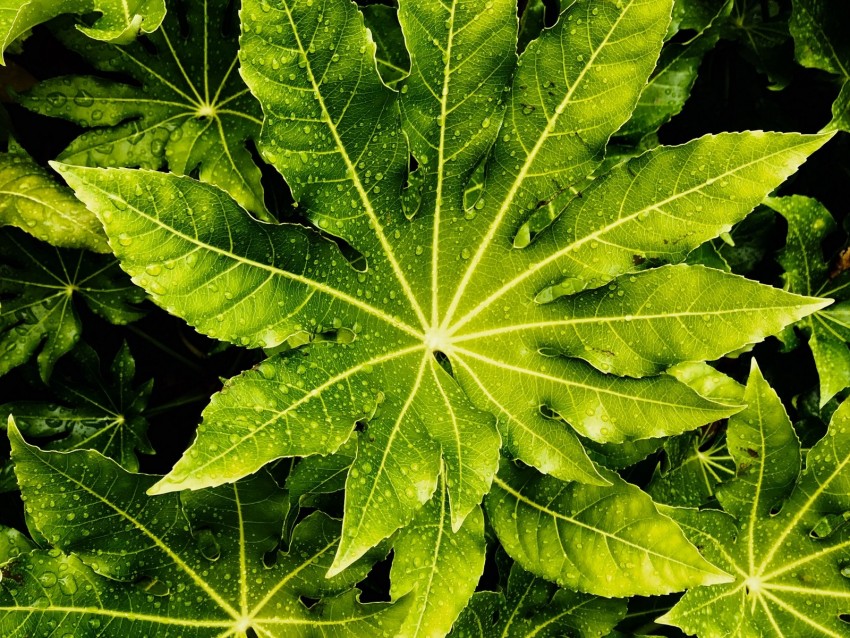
417, 364
119, 21
608, 541
39, 285
130, 563
189, 111
99, 414
532, 607
788, 565
33, 201
669, 87
809, 224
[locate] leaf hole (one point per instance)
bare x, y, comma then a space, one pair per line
552, 10
548, 413
444, 361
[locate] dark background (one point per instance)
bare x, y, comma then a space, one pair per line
731, 94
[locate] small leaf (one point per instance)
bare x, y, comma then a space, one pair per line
806, 272
40, 283
189, 110
99, 414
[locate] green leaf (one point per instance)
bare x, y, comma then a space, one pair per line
532, 607
442, 566
669, 86
130, 563
103, 414
777, 538
704, 314
761, 27
609, 541
399, 350
40, 284
393, 60
36, 203
12, 544
694, 464
806, 272
188, 109
119, 21
531, 23
820, 42
818, 36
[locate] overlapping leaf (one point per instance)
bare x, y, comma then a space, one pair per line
674, 76
820, 42
95, 413
125, 562
119, 21
808, 272
532, 607
36, 203
450, 323
189, 111
604, 540
781, 534
38, 288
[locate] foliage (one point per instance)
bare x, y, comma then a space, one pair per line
456, 308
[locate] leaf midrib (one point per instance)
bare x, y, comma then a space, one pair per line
613, 537
605, 229
355, 177
333, 292
520, 178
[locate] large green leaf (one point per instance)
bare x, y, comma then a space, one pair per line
129, 563
444, 324
40, 284
189, 109
97, 413
119, 21
782, 536
531, 607
806, 272
33, 201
